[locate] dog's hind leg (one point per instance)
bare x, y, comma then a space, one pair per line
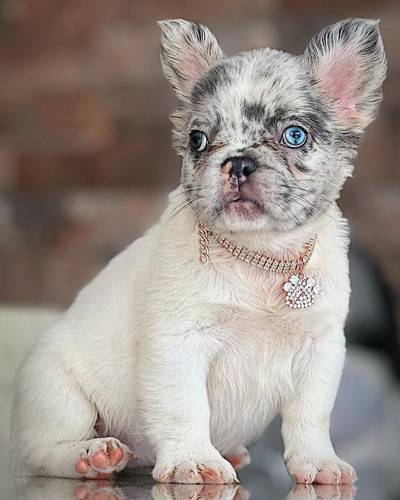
239, 457
54, 427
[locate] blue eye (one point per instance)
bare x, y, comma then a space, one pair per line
198, 141
294, 137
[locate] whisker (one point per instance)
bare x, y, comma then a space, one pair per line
305, 190
298, 199
177, 211
285, 208
183, 205
180, 205
187, 190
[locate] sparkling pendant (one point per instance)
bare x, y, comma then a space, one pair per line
300, 292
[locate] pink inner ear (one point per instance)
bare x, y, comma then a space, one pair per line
193, 67
338, 75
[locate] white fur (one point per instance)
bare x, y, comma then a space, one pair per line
181, 360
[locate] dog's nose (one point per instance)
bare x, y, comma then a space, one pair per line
242, 166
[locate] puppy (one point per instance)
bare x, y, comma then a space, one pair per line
231, 309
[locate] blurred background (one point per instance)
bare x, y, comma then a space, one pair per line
86, 163
85, 148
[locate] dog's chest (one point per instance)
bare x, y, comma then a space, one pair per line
237, 284
251, 375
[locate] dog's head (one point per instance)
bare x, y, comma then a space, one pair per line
267, 137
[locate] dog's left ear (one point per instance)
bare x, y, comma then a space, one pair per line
348, 65
188, 50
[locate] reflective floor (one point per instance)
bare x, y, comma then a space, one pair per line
142, 488
255, 485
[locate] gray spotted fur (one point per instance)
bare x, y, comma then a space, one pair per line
243, 104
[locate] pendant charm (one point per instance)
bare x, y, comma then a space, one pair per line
300, 292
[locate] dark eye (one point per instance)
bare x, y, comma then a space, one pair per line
294, 137
198, 141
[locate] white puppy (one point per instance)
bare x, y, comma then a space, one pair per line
181, 352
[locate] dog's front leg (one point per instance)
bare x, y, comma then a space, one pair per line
176, 411
309, 454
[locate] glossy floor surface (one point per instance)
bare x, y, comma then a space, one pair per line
253, 486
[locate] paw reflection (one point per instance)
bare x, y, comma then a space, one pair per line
138, 487
198, 491
98, 490
50, 488
143, 488
322, 492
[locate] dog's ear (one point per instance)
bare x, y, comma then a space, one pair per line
348, 65
188, 50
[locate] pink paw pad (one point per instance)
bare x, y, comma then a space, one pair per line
81, 467
329, 474
238, 460
100, 463
326, 477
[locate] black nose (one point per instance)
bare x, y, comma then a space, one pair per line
243, 165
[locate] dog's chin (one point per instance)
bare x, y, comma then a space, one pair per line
247, 216
243, 215
240, 210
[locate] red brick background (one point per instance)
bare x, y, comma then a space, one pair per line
85, 154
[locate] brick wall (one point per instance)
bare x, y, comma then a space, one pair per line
85, 154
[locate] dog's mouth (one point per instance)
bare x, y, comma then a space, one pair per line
239, 197
242, 207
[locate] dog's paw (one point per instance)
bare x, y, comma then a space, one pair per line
321, 471
211, 470
102, 457
239, 458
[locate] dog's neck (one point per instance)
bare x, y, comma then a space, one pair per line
284, 245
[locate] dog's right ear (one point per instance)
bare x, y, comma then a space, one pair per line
188, 50
348, 66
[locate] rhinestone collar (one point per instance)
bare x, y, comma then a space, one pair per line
300, 291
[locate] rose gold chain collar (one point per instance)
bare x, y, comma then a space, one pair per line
251, 257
